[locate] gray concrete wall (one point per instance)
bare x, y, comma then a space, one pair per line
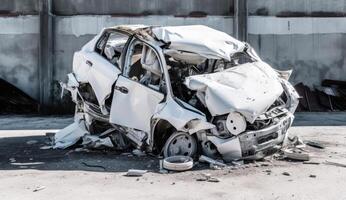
142, 7
297, 7
19, 52
308, 36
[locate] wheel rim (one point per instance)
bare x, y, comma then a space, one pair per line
180, 143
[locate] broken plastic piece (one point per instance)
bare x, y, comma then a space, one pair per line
178, 163
70, 135
295, 154
135, 172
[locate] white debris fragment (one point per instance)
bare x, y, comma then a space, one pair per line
296, 154
38, 188
138, 153
135, 172
46, 147
31, 142
70, 135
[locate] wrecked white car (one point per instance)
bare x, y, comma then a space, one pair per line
177, 90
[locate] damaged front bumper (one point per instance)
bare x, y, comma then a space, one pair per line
257, 144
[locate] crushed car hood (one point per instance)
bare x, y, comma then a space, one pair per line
208, 43
248, 89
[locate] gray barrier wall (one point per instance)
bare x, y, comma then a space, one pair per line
308, 36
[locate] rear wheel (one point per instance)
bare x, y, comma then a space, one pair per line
180, 143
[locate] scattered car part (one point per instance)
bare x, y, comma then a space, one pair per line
70, 135
295, 154
208, 178
296, 142
178, 163
211, 161
39, 188
286, 174
92, 141
314, 144
135, 172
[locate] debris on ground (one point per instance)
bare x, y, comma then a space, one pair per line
238, 162
208, 178
296, 142
335, 164
94, 166
31, 142
311, 162
314, 144
46, 147
12, 160
215, 167
312, 176
264, 164
95, 142
211, 161
178, 163
138, 153
135, 172
286, 174
39, 188
296, 154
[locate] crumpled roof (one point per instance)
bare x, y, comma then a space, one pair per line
205, 41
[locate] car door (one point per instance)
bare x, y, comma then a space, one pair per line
134, 101
99, 68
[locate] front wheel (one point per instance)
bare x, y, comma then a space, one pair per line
180, 143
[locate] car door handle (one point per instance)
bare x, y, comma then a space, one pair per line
88, 62
122, 89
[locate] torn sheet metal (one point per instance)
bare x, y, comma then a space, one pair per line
248, 89
199, 39
178, 113
99, 73
70, 135
93, 141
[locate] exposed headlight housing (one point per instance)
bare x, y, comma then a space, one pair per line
235, 123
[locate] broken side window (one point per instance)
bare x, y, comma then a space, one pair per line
144, 67
111, 45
